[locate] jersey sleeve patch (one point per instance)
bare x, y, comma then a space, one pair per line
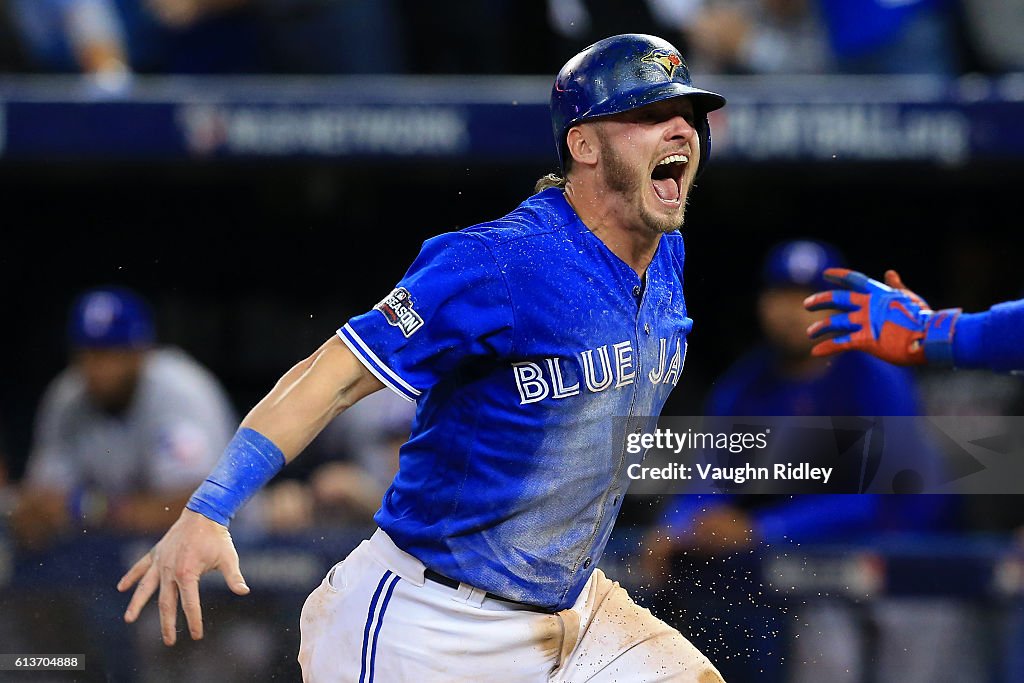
397, 308
451, 308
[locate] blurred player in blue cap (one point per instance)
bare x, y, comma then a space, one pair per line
124, 434
520, 340
891, 322
780, 377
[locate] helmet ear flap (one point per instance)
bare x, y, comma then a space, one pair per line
704, 136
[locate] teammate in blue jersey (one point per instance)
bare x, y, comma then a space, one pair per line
779, 377
888, 320
520, 339
893, 323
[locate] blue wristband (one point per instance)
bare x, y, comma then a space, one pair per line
250, 460
938, 339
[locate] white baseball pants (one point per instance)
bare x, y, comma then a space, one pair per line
374, 619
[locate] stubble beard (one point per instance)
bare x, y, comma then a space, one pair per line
629, 184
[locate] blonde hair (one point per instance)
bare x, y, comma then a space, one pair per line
548, 181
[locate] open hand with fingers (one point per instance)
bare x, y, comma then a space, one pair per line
193, 546
886, 320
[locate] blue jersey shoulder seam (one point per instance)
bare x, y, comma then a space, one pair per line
540, 216
473, 230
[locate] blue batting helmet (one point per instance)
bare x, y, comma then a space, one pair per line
621, 73
112, 317
800, 263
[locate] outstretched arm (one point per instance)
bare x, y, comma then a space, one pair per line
891, 322
886, 320
277, 429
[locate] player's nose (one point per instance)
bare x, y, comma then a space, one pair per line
679, 128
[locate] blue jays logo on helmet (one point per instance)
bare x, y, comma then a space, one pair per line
621, 73
666, 59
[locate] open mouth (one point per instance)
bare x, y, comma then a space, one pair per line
667, 178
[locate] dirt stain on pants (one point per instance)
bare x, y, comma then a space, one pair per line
621, 642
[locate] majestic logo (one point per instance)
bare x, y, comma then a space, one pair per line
666, 59
397, 308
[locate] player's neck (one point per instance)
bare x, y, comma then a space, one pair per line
634, 245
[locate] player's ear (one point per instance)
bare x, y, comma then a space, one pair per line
580, 143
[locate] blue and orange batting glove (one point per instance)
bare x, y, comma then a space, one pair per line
886, 320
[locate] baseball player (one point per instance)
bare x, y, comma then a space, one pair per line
895, 324
778, 376
520, 339
124, 434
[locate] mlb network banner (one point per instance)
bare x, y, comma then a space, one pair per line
798, 455
498, 119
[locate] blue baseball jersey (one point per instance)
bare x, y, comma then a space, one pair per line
854, 383
991, 339
521, 339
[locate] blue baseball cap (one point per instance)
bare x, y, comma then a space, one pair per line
110, 317
800, 263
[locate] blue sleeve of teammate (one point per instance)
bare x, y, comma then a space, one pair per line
812, 518
993, 339
452, 305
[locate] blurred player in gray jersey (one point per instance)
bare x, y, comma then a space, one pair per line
125, 433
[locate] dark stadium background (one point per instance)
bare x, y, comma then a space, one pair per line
252, 260
252, 265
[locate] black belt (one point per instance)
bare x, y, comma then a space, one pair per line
431, 575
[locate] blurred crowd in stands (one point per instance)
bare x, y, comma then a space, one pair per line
113, 39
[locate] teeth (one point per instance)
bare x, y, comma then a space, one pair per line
675, 158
